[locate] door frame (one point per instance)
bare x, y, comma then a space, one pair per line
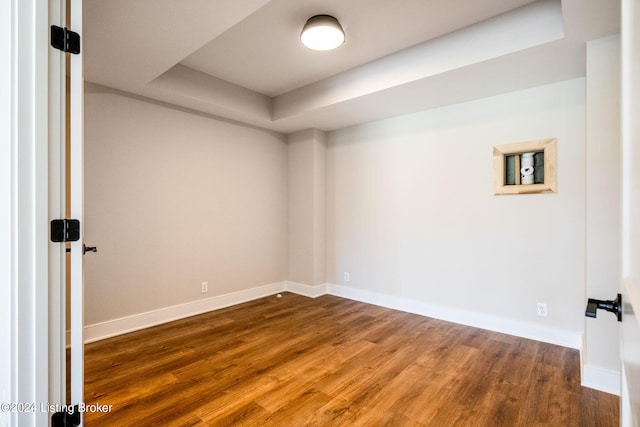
24, 212
630, 288
24, 209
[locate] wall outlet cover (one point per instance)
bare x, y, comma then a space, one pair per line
542, 309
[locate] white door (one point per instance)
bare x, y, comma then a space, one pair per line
57, 209
630, 335
77, 206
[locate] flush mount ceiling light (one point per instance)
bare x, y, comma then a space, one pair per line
322, 32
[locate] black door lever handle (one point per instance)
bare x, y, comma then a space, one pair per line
612, 306
86, 249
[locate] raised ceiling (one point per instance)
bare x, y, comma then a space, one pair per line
242, 60
264, 54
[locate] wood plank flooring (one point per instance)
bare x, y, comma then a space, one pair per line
296, 361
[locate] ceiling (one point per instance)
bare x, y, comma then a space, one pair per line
243, 61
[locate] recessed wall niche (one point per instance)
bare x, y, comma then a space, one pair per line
525, 167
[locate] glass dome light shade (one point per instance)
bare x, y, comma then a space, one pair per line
322, 32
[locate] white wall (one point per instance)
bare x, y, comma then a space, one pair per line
412, 217
603, 263
173, 199
307, 207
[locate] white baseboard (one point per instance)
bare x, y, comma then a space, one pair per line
138, 321
451, 314
601, 379
110, 328
307, 290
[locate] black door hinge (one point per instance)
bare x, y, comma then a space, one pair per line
65, 40
65, 230
66, 419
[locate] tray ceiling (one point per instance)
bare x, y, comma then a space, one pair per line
243, 60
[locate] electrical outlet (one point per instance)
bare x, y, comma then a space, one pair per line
204, 287
542, 309
347, 276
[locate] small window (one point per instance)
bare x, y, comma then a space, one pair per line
525, 167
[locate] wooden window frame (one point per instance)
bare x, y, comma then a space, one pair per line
548, 146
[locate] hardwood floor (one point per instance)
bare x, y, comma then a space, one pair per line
296, 361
